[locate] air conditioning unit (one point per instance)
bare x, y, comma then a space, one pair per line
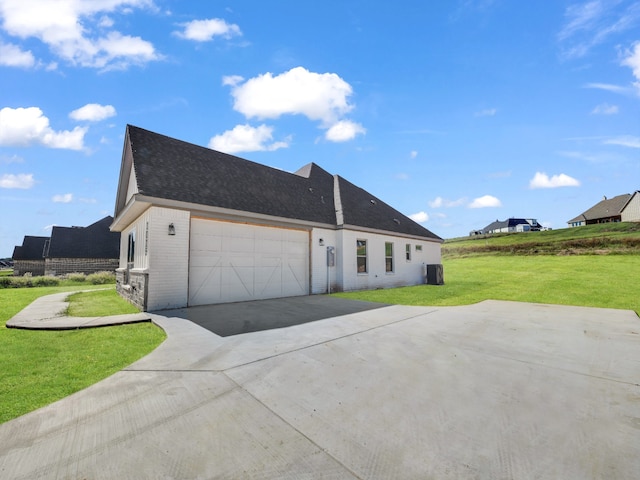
435, 274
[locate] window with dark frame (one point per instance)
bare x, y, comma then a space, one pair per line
361, 254
388, 257
131, 247
408, 252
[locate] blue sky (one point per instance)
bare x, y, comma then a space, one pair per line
456, 113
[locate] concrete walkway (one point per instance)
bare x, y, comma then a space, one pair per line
493, 390
48, 313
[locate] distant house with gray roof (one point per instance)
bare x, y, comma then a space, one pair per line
610, 210
200, 226
510, 225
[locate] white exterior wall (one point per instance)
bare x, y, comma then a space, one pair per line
405, 272
141, 258
319, 260
631, 213
167, 258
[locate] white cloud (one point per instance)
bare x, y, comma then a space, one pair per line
419, 217
488, 112
542, 180
402, 176
318, 96
11, 159
440, 202
605, 109
22, 127
591, 23
64, 198
22, 180
610, 88
624, 141
632, 60
93, 112
245, 138
232, 80
12, 56
65, 26
205, 30
486, 201
413, 154
344, 130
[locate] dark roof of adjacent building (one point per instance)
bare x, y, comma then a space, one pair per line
172, 169
32, 248
94, 241
510, 222
606, 208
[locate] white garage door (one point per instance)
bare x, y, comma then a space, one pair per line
232, 262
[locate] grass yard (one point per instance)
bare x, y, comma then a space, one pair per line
610, 281
40, 367
99, 303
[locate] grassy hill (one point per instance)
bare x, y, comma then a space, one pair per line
603, 239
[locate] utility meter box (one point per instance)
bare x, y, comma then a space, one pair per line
331, 256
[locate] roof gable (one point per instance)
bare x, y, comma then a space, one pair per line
94, 241
608, 207
32, 248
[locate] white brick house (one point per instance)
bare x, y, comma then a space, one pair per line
200, 227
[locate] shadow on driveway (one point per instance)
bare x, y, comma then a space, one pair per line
244, 317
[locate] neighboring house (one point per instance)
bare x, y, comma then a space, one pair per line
69, 250
606, 211
82, 249
511, 225
631, 210
29, 257
200, 227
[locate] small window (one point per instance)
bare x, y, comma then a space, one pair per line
388, 257
418, 248
361, 252
408, 252
131, 247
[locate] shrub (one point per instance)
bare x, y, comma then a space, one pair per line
75, 277
45, 281
6, 282
101, 278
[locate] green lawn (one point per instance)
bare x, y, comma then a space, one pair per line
610, 281
40, 367
99, 303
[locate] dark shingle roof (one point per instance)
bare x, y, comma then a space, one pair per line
172, 169
609, 207
32, 248
362, 209
94, 241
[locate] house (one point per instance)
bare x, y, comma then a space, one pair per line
82, 249
511, 225
631, 210
605, 211
201, 227
69, 250
29, 257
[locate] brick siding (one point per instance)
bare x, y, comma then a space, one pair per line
35, 267
62, 266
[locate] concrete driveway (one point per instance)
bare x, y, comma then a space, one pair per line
228, 319
488, 391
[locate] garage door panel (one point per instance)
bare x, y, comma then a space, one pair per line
238, 262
